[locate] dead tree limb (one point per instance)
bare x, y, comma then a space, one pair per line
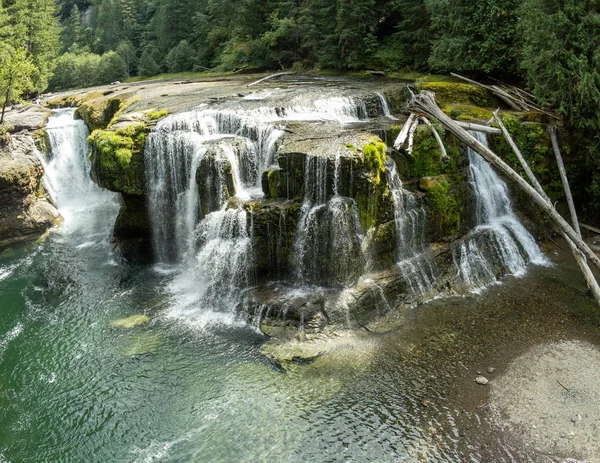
479, 127
443, 155
401, 139
588, 275
565, 180
588, 227
272, 76
424, 103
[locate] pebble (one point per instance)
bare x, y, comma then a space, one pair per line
490, 370
481, 380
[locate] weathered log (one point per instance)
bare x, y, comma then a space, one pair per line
520, 157
479, 127
411, 135
424, 103
590, 228
401, 138
443, 155
590, 280
272, 76
565, 180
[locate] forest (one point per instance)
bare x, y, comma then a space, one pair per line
550, 47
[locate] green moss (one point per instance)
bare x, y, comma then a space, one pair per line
444, 207
273, 178
156, 115
458, 93
374, 156
467, 113
113, 153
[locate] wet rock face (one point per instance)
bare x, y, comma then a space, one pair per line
25, 209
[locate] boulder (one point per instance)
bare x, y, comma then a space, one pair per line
26, 211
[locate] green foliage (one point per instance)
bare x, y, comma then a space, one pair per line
374, 156
16, 71
474, 35
181, 57
561, 63
80, 68
147, 66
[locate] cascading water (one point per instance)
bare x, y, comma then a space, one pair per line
222, 154
499, 244
413, 261
67, 176
329, 238
385, 107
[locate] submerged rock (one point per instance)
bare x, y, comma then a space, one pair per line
130, 322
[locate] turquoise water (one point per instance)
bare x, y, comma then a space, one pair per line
73, 388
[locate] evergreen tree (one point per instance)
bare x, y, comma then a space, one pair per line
71, 31
147, 66
474, 35
35, 29
112, 68
181, 58
127, 51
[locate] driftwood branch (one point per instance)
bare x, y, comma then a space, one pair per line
590, 280
403, 135
479, 128
424, 103
443, 156
272, 76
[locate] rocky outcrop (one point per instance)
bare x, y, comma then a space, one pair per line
26, 211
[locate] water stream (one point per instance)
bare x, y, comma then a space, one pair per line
499, 244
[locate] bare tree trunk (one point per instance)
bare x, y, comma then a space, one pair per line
411, 135
424, 103
590, 280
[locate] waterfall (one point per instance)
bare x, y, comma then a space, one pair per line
328, 241
499, 244
384, 106
414, 262
67, 170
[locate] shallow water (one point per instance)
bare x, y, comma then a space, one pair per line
72, 388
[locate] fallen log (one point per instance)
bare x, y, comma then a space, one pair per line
517, 151
403, 135
479, 128
443, 156
565, 180
272, 76
424, 103
590, 228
